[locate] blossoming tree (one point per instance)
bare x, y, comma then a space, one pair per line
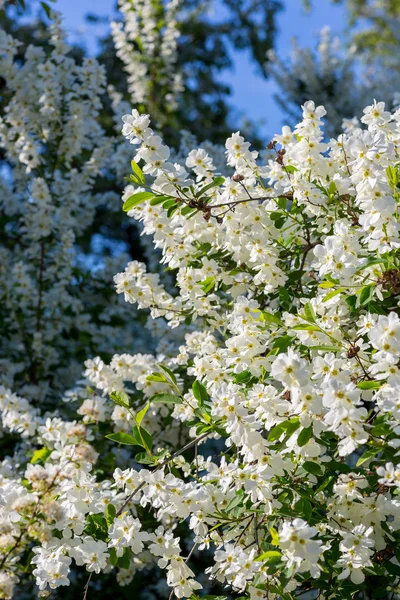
54, 308
270, 438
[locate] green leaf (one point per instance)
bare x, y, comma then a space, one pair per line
393, 176
96, 526
159, 377
113, 557
124, 560
332, 189
304, 507
188, 212
138, 173
100, 521
122, 438
199, 392
216, 182
236, 500
325, 483
202, 428
366, 294
269, 556
110, 514
306, 327
136, 199
141, 414
370, 263
380, 427
172, 209
40, 455
270, 318
369, 385
159, 200
243, 377
313, 468
309, 312
120, 398
274, 535
367, 455
166, 399
276, 432
169, 202
285, 298
168, 372
144, 458
334, 465
325, 348
283, 342
333, 294
287, 427
143, 438
46, 9
208, 284
279, 223
351, 301
326, 285
282, 203
392, 568
305, 436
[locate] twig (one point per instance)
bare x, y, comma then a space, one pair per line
345, 158
251, 517
196, 459
256, 532
86, 588
250, 199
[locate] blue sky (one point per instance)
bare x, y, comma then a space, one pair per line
252, 95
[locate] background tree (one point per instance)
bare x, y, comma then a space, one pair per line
345, 77
163, 57
378, 21
201, 37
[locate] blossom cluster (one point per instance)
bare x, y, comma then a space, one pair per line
290, 266
146, 42
264, 433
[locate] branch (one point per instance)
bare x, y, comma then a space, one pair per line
251, 199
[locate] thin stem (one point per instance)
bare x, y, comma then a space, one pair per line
256, 532
40, 279
86, 588
250, 199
